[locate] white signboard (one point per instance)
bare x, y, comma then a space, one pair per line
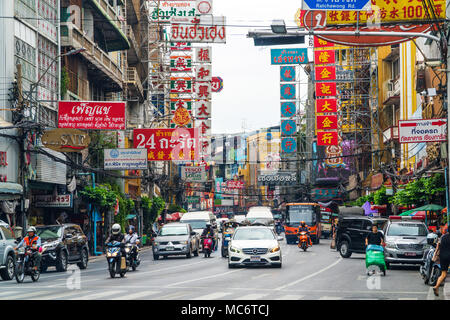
125, 159
417, 131
175, 11
204, 6
193, 174
51, 201
204, 30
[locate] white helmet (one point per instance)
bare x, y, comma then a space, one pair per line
432, 238
31, 229
116, 228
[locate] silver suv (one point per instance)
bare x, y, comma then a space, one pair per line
7, 257
406, 241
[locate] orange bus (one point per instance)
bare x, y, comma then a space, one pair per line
297, 212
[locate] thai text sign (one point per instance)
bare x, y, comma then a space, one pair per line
174, 11
91, 115
324, 194
289, 56
194, 174
280, 178
168, 144
51, 201
125, 159
416, 131
196, 32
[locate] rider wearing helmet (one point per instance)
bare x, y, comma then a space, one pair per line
432, 239
34, 241
209, 231
304, 227
116, 235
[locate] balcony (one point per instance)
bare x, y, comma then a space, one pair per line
133, 52
134, 83
390, 134
100, 66
78, 86
392, 94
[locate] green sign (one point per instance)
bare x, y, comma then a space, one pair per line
193, 199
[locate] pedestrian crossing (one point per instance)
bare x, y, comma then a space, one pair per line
144, 294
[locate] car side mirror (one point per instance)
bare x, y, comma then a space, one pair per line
193, 233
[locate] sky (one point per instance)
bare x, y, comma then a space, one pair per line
251, 84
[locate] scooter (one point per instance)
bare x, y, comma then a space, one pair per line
116, 265
24, 265
207, 246
430, 270
303, 240
132, 252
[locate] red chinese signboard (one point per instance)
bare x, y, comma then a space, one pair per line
327, 138
91, 115
326, 105
320, 43
326, 122
168, 144
326, 89
325, 73
324, 57
231, 184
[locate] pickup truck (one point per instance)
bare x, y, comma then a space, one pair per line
7, 257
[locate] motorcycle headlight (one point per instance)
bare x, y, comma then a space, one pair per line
234, 249
156, 243
127, 250
391, 245
275, 249
113, 254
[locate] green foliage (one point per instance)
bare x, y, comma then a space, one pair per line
380, 197
421, 191
175, 208
99, 142
151, 208
360, 201
64, 82
101, 196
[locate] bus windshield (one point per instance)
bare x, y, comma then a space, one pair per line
298, 213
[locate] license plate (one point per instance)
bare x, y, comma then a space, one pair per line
169, 248
410, 254
255, 259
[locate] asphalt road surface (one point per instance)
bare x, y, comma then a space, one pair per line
318, 274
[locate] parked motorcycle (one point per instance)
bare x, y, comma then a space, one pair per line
116, 265
430, 270
132, 252
303, 240
24, 265
207, 246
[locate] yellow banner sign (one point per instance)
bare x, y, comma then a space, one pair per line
390, 11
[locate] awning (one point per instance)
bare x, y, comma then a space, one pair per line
130, 217
10, 191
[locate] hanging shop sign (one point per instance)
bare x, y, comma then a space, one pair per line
214, 32
91, 115
327, 138
324, 57
216, 84
194, 174
180, 85
180, 63
125, 159
204, 6
180, 46
287, 91
203, 54
203, 109
417, 131
51, 201
326, 89
66, 140
318, 42
203, 90
333, 155
326, 105
203, 72
326, 122
289, 56
168, 144
287, 73
288, 109
181, 110
279, 178
319, 194
232, 184
288, 145
325, 73
174, 11
288, 127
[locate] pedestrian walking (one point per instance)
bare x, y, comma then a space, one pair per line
443, 251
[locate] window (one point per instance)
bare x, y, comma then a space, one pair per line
173, 231
355, 224
49, 233
367, 225
254, 234
7, 233
407, 229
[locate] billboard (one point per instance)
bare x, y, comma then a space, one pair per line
213, 31
106, 115
289, 56
194, 174
417, 131
279, 178
125, 159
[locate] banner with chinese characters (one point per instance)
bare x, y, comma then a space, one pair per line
203, 54
180, 46
288, 127
327, 122
180, 85
287, 91
287, 73
181, 109
327, 138
203, 109
326, 105
180, 63
203, 73
325, 73
326, 89
324, 57
288, 109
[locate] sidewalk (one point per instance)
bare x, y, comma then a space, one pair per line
102, 256
447, 289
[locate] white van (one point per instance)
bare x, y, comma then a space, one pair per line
199, 219
260, 214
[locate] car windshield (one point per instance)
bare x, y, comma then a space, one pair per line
173, 231
48, 233
197, 224
265, 221
407, 229
253, 234
296, 214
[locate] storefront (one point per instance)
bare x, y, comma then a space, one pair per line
10, 205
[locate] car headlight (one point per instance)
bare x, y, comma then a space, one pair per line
49, 246
185, 242
275, 249
155, 243
234, 249
391, 245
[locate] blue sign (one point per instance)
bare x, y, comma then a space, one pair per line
336, 4
288, 145
287, 91
288, 109
289, 56
287, 74
288, 127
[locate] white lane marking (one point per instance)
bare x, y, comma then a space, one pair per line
173, 296
310, 276
261, 276
408, 298
62, 295
290, 297
137, 296
213, 296
203, 278
330, 298
28, 295
98, 295
4, 293
252, 296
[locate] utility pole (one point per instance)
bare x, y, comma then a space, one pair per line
22, 167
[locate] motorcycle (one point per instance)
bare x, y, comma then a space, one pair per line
303, 240
430, 270
24, 265
207, 246
226, 240
114, 258
132, 252
279, 229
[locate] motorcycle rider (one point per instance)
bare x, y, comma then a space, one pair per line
209, 231
116, 235
304, 228
132, 238
34, 241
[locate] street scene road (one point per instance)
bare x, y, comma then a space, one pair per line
317, 274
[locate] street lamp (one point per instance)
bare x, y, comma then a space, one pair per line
278, 26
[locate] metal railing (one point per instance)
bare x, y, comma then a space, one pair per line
78, 86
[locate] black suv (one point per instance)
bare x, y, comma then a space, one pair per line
63, 244
352, 233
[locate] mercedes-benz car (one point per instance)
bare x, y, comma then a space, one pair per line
254, 245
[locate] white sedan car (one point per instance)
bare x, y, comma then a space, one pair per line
254, 245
